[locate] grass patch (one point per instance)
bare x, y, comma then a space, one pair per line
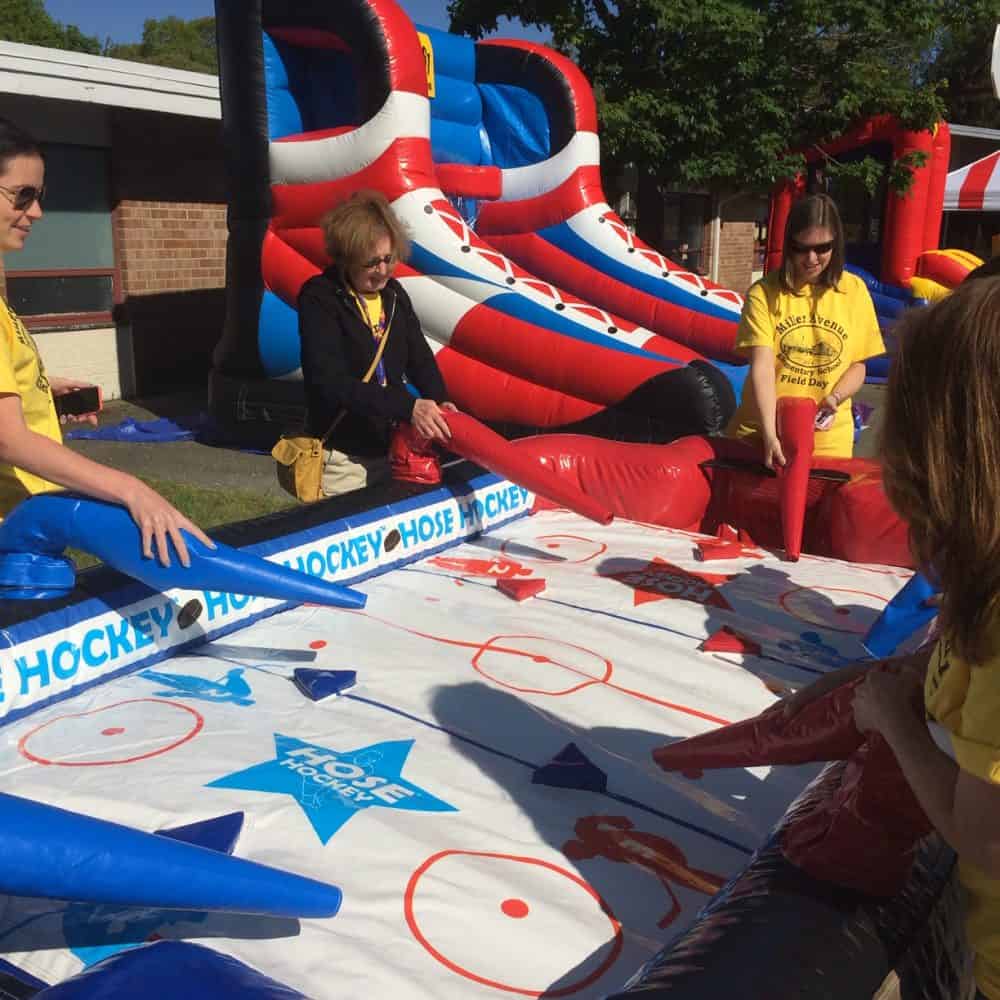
208, 508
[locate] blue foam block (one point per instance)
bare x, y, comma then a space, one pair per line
571, 768
217, 834
320, 684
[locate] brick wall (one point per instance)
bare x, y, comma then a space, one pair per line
169, 223
736, 248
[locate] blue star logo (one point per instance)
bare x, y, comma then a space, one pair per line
331, 786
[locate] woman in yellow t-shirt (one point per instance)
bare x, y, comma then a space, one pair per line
33, 458
808, 327
941, 458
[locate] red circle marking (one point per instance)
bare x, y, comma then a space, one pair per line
603, 673
788, 594
564, 991
113, 731
517, 909
317, 644
188, 736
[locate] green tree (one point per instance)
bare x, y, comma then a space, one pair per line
716, 92
171, 41
961, 66
27, 21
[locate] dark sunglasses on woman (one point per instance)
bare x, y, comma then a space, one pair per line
22, 198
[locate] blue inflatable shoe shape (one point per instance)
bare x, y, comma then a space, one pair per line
901, 617
320, 684
46, 524
58, 854
166, 970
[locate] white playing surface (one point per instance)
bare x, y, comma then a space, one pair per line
413, 792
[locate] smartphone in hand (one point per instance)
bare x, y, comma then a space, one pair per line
79, 401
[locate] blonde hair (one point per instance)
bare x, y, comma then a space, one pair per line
941, 453
353, 227
814, 211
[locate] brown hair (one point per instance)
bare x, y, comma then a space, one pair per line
353, 227
941, 453
814, 210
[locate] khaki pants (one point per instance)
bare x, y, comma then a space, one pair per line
343, 473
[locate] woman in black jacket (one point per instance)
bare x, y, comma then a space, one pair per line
344, 314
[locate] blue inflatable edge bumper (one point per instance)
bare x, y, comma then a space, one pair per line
61, 653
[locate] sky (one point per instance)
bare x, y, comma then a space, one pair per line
122, 21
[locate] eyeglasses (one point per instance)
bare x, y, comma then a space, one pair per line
803, 248
22, 198
389, 259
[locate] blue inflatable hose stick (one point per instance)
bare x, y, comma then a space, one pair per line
907, 612
38, 530
54, 853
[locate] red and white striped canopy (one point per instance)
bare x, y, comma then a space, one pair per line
975, 187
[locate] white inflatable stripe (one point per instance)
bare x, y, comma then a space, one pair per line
583, 150
312, 160
604, 237
487, 280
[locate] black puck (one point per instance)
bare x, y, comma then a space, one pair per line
190, 613
392, 540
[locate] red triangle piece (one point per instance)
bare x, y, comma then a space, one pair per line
727, 533
717, 548
521, 590
728, 641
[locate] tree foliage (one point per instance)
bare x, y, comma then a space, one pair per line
171, 41
716, 92
28, 22
961, 65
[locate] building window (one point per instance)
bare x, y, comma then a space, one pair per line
684, 219
66, 274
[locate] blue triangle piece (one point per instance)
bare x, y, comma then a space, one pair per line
217, 834
320, 684
570, 768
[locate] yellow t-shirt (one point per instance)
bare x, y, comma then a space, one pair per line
816, 334
966, 701
22, 373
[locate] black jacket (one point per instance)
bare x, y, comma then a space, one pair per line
337, 350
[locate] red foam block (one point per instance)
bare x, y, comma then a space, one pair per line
521, 590
726, 640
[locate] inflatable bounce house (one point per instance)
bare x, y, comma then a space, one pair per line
473, 738
896, 253
543, 309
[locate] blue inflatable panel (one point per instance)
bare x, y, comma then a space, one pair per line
57, 854
49, 523
283, 115
455, 143
454, 55
167, 970
457, 101
907, 612
218, 834
280, 347
517, 124
319, 684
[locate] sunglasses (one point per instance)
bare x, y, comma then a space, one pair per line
803, 248
389, 259
22, 198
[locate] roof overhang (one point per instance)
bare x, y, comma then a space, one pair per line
35, 71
